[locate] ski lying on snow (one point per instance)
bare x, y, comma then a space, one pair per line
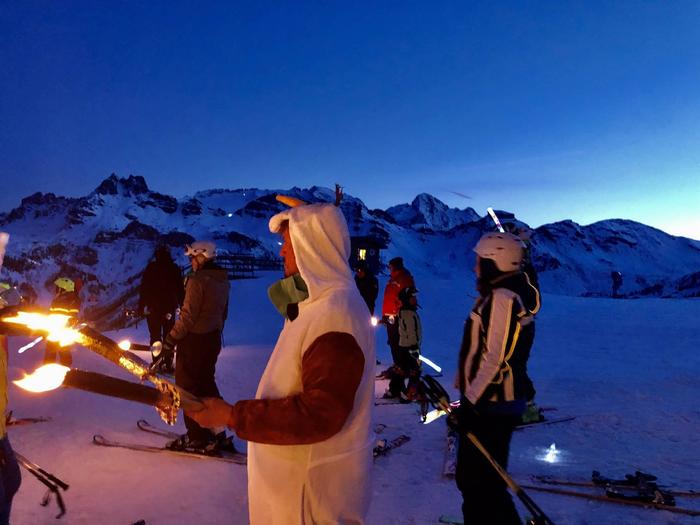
607, 499
545, 422
548, 480
237, 458
17, 421
383, 446
147, 427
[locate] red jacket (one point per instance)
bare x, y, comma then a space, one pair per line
398, 280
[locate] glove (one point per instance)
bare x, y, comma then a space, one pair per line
169, 345
463, 418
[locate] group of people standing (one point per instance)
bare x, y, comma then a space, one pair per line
309, 426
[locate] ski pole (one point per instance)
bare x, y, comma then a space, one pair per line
53, 487
48, 475
439, 397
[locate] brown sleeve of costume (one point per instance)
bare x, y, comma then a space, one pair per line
331, 371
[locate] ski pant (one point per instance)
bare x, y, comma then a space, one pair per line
158, 328
10, 479
396, 385
410, 368
194, 371
485, 497
53, 350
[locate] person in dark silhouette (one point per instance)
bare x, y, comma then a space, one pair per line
367, 284
161, 294
616, 283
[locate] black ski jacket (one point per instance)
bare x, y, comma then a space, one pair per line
162, 288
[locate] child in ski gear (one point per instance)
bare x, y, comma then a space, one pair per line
367, 284
67, 302
160, 295
309, 429
410, 335
197, 336
399, 279
491, 377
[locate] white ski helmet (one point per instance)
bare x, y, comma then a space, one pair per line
206, 248
504, 249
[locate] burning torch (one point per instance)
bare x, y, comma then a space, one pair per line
52, 376
57, 328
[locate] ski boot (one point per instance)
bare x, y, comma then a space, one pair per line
221, 444
532, 414
187, 444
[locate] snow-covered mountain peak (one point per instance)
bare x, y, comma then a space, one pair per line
430, 213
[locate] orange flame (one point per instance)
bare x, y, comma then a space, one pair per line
55, 326
44, 378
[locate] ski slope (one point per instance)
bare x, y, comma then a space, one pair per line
628, 369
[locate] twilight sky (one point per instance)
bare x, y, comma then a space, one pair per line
585, 110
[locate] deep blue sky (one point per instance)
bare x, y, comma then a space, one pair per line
584, 110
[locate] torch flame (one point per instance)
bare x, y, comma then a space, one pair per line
125, 344
55, 326
44, 378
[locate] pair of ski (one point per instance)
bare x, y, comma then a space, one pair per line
639, 490
229, 457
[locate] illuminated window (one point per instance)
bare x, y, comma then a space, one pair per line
362, 254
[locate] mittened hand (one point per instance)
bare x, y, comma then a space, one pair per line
169, 345
463, 418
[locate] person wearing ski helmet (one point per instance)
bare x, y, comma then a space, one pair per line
160, 295
66, 302
197, 336
491, 377
309, 429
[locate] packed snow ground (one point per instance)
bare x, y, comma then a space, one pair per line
628, 369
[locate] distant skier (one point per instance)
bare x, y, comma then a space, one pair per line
491, 377
160, 295
367, 284
197, 336
410, 337
67, 302
616, 278
399, 278
309, 429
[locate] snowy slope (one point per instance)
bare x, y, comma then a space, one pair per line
627, 368
108, 236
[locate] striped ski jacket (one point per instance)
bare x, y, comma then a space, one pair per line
492, 355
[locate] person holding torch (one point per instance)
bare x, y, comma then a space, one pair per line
309, 426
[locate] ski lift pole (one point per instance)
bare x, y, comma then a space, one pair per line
53, 483
440, 399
